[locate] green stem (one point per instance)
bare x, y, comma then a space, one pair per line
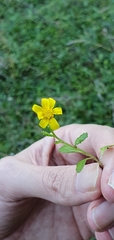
90, 156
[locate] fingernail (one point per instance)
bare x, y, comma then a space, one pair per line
111, 180
100, 219
87, 178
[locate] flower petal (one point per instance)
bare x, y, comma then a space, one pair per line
43, 123
51, 103
40, 115
57, 110
53, 124
37, 108
45, 103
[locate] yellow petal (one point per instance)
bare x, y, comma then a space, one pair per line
45, 103
43, 123
57, 110
51, 103
37, 108
40, 115
53, 124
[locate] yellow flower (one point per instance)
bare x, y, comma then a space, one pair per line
46, 113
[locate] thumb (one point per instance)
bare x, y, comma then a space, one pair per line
58, 184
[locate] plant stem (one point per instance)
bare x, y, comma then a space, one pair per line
89, 155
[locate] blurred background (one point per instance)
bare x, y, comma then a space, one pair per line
58, 48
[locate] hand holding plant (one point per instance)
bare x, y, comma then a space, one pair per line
45, 114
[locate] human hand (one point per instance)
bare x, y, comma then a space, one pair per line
41, 196
101, 212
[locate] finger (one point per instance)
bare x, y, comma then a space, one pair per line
103, 235
100, 217
107, 180
56, 184
38, 153
101, 136
98, 137
97, 134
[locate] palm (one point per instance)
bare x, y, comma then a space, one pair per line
34, 218
48, 221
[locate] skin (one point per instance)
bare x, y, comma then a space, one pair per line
42, 197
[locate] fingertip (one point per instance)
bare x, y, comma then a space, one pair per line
105, 235
107, 180
91, 216
88, 180
100, 215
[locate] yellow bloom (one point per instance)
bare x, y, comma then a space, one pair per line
46, 113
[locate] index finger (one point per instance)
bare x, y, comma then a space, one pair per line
98, 137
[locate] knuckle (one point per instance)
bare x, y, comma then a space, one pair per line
56, 183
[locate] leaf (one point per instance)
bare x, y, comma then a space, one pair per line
103, 149
81, 138
67, 149
47, 134
70, 149
80, 165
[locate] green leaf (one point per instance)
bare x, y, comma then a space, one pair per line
80, 165
103, 149
47, 134
67, 149
70, 149
81, 138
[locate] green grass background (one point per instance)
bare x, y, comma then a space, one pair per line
59, 48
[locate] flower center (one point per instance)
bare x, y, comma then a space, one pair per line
48, 113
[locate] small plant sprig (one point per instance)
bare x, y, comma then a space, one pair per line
68, 148
45, 114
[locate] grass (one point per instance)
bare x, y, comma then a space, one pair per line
60, 49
